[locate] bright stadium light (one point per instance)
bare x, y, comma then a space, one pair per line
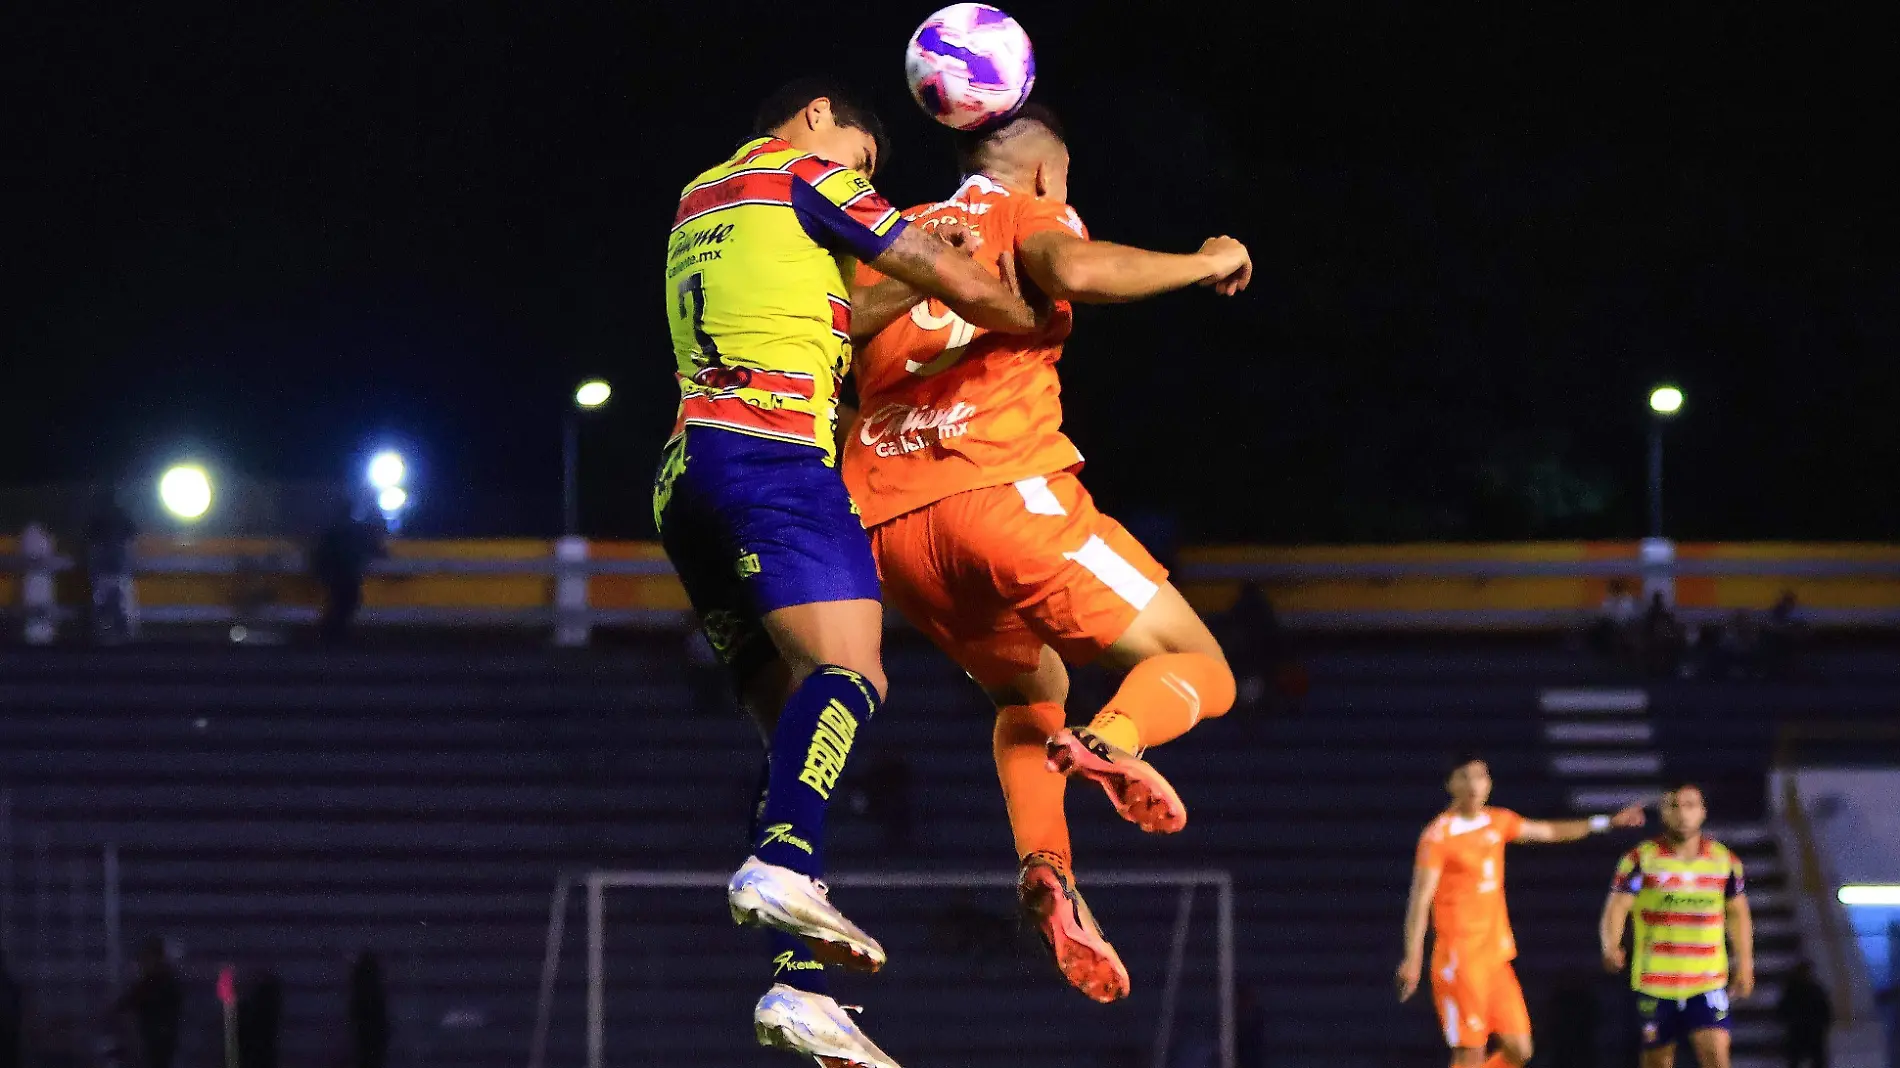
392, 499
185, 491
1665, 400
1870, 894
593, 393
386, 470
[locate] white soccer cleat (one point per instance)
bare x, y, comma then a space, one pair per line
766, 895
814, 1026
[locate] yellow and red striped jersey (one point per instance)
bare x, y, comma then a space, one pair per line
758, 290
1680, 913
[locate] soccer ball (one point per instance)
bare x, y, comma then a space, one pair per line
970, 65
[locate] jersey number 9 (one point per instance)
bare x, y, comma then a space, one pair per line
957, 337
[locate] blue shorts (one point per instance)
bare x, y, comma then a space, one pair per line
1667, 1021
754, 525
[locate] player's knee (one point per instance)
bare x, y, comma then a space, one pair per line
1516, 1048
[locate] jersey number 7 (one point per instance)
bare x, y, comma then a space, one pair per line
692, 294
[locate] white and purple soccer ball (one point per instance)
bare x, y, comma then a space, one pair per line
970, 65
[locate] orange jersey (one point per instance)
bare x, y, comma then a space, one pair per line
1468, 911
945, 407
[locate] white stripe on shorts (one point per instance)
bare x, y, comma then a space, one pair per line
1117, 574
1039, 498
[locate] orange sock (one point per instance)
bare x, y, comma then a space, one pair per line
1163, 698
1032, 792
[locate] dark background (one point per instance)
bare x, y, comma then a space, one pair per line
281, 235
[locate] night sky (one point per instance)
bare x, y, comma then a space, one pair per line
280, 234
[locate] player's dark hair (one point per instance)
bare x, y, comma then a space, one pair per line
1678, 785
1460, 759
846, 108
971, 144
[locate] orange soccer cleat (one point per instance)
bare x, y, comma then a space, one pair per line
1137, 790
1082, 955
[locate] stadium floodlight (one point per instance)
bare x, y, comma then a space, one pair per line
588, 396
185, 491
1665, 400
1887, 894
592, 393
387, 470
392, 499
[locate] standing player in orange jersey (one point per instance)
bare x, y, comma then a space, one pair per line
1458, 880
987, 542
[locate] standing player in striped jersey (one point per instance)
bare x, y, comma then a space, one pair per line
760, 294
1686, 890
1458, 879
990, 545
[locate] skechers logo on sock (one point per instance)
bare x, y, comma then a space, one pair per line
782, 832
830, 745
784, 963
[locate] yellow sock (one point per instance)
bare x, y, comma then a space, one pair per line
1115, 728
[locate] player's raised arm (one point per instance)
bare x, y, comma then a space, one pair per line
877, 301
938, 269
1572, 830
1418, 910
1067, 267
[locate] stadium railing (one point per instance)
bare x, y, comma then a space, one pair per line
570, 586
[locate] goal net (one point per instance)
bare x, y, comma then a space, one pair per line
666, 979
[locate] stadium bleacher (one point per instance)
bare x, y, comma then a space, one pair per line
280, 809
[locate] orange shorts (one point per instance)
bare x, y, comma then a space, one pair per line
1477, 1001
993, 575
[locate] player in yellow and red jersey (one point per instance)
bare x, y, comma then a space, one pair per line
987, 542
763, 305
1458, 881
1690, 903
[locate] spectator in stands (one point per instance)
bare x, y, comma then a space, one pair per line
369, 1012
155, 1000
1741, 646
1807, 1013
260, 1014
12, 1019
108, 536
1785, 630
340, 560
1662, 637
1615, 630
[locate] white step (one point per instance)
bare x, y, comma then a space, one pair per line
1619, 732
1611, 798
1593, 700
1587, 765
1740, 834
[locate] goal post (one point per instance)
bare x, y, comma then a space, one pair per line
595, 884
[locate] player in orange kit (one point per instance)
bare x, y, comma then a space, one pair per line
1458, 879
987, 542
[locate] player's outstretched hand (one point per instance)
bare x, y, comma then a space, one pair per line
1614, 958
1629, 817
1232, 265
1406, 978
